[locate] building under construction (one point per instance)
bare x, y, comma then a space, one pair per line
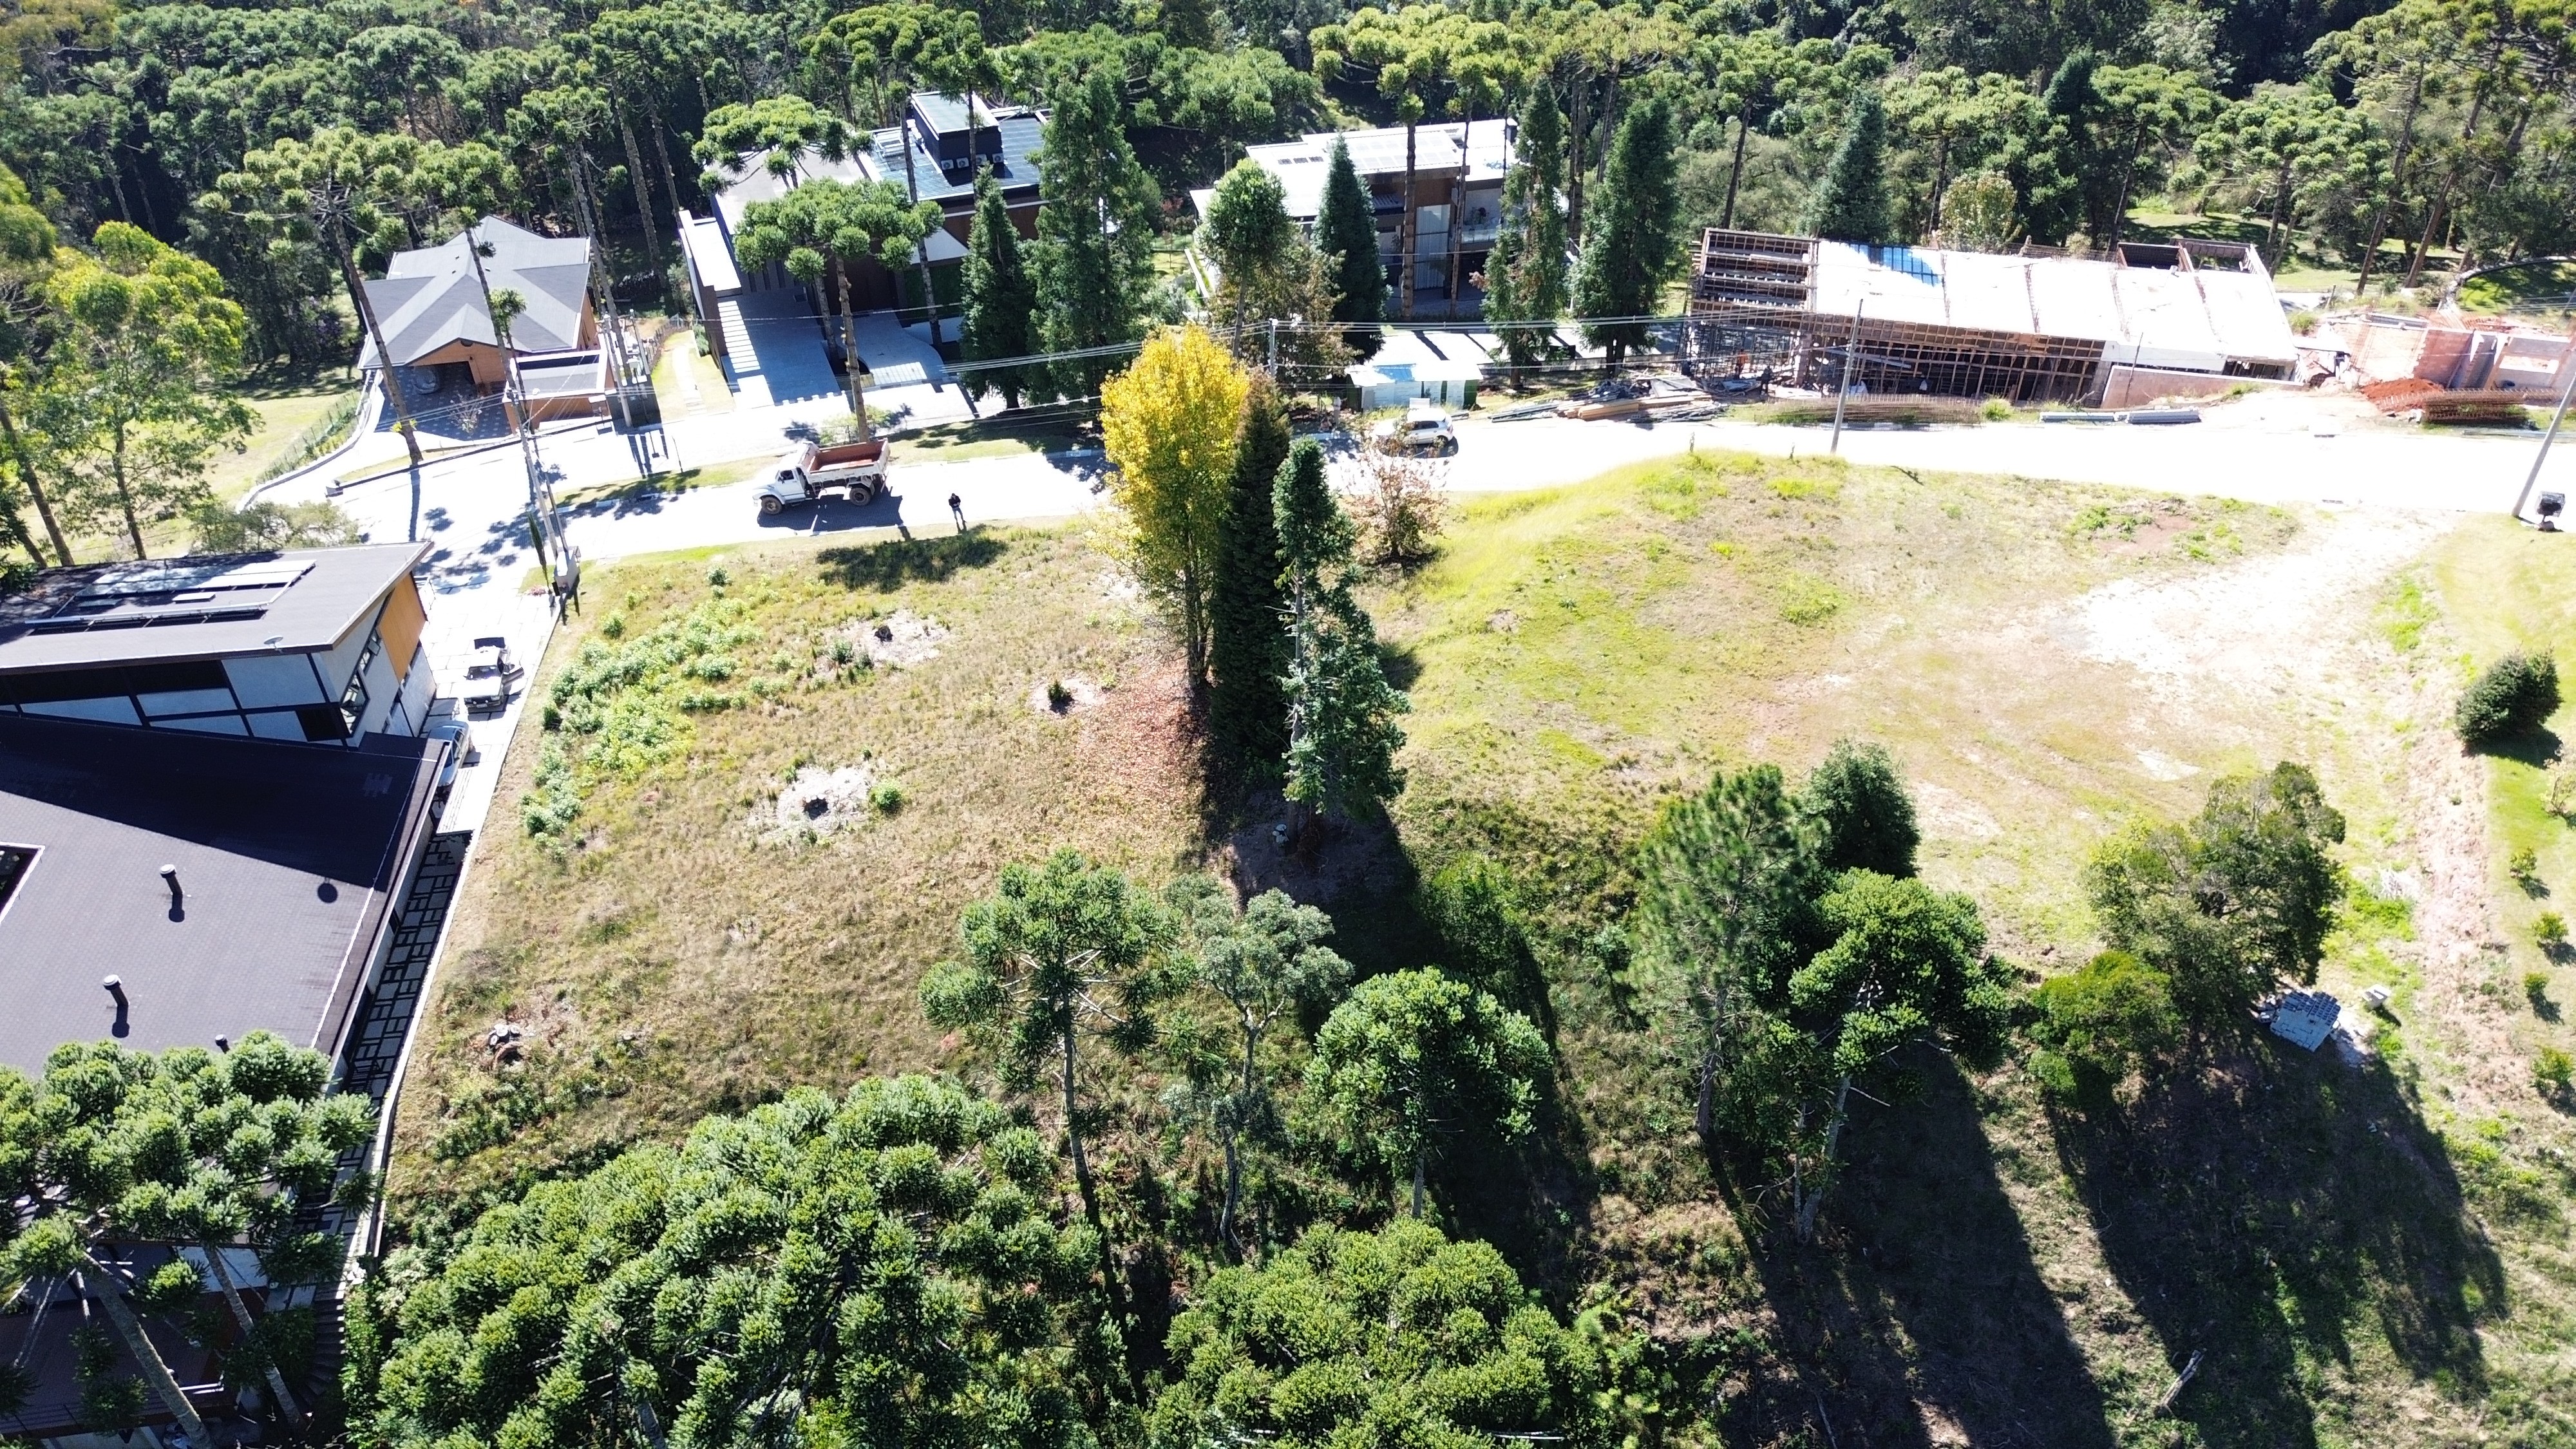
2147, 320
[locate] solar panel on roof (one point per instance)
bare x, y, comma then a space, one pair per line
146, 580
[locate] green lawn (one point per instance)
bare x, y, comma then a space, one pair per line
1003, 435
290, 416
2535, 285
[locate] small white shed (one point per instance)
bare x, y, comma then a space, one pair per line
1447, 382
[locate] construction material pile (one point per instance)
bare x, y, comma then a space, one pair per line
1626, 397
2415, 399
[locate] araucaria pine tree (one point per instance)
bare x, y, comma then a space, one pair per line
1525, 278
1000, 298
1850, 204
1248, 646
1342, 735
1632, 239
1346, 233
1095, 234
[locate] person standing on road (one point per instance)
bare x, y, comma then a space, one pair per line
957, 511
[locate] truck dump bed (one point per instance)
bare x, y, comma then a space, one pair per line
819, 457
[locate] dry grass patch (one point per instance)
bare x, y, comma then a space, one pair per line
680, 943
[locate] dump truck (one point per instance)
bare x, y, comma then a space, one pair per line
859, 468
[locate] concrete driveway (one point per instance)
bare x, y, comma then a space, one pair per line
787, 363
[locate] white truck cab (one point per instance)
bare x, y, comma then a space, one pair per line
801, 478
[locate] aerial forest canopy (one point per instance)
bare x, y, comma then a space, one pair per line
2330, 129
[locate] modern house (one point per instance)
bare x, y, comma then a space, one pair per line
943, 140
308, 645
2188, 318
1456, 201
430, 307
219, 797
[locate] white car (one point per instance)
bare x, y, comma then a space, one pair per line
488, 673
1425, 430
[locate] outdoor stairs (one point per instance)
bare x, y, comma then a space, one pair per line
742, 364
737, 336
330, 1351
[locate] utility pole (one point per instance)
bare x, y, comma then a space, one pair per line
1843, 381
2565, 389
1272, 365
602, 278
514, 402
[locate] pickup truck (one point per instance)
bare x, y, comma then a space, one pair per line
801, 477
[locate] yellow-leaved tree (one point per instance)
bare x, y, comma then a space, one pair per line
1168, 423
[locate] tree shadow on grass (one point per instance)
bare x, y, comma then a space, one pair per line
2537, 748
1919, 1315
2268, 1210
896, 562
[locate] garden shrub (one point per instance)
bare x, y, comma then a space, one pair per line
2515, 695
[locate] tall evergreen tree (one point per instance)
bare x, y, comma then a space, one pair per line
1525, 277
1062, 951
1248, 653
2053, 163
1000, 297
1095, 235
1346, 233
1633, 244
1342, 735
1850, 204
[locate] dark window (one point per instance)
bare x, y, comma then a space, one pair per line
57, 685
353, 700
14, 860
174, 678
54, 686
323, 722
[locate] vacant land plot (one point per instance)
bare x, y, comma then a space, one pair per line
682, 934
2357, 1253
741, 869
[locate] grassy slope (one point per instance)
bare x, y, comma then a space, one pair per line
284, 411
670, 961
2362, 1256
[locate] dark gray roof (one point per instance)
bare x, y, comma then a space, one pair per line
201, 607
1021, 127
946, 113
430, 298
287, 855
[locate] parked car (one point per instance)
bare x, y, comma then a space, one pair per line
460, 735
1425, 430
488, 674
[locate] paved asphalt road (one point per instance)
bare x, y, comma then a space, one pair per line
2282, 449
470, 505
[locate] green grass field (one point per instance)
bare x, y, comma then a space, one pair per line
288, 414
2358, 1255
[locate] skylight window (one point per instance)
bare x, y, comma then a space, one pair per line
15, 861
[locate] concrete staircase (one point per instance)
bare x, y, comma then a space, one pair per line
742, 364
